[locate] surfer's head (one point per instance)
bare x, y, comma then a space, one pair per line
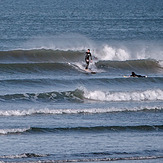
133, 74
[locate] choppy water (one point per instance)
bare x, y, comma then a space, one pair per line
51, 110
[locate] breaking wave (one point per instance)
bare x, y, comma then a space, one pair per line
24, 155
74, 46
106, 159
79, 95
13, 131
47, 96
40, 60
29, 112
148, 95
104, 156
38, 130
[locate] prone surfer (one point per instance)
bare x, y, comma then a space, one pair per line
135, 75
88, 56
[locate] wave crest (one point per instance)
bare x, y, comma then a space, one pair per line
79, 95
24, 155
13, 131
148, 95
46, 111
75, 95
37, 130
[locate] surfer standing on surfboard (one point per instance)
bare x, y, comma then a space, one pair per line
88, 56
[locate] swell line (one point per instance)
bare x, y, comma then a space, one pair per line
42, 156
96, 129
41, 81
145, 128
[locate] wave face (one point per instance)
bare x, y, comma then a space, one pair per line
147, 65
40, 55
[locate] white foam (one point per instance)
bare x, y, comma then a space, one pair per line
24, 155
26, 112
12, 131
161, 63
29, 112
133, 50
148, 95
111, 53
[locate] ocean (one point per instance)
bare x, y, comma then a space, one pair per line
52, 110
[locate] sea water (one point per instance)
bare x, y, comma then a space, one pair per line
51, 110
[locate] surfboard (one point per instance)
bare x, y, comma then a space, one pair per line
126, 76
135, 77
82, 69
89, 71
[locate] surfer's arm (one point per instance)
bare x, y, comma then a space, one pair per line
91, 56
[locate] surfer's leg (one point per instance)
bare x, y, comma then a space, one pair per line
87, 64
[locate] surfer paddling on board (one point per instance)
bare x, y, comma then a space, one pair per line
88, 56
135, 75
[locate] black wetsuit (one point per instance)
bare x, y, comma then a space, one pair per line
135, 75
87, 59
